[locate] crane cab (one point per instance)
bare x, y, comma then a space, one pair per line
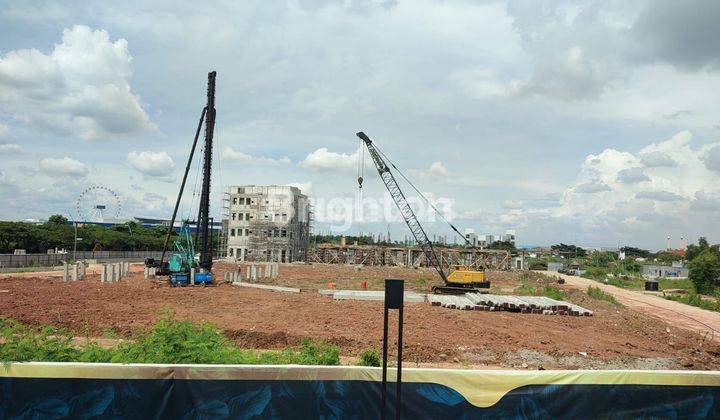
462, 279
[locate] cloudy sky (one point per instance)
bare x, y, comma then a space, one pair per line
594, 122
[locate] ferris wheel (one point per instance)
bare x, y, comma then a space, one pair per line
98, 203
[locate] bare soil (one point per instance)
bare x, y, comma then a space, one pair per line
616, 337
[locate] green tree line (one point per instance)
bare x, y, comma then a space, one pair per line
58, 232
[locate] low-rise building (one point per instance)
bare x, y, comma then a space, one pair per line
677, 270
267, 223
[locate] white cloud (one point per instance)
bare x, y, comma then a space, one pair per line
632, 176
235, 156
437, 169
657, 159
592, 187
512, 205
616, 195
712, 159
658, 195
63, 167
80, 88
4, 131
152, 164
324, 160
10, 149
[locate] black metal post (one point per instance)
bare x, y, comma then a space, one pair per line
394, 299
384, 366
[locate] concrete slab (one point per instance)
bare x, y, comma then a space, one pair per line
374, 295
267, 287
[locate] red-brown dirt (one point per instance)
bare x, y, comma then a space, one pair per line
615, 337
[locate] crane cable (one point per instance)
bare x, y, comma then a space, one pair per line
421, 195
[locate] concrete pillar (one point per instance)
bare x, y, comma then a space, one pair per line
102, 273
75, 272
260, 273
253, 273
192, 275
146, 272
127, 269
248, 273
65, 271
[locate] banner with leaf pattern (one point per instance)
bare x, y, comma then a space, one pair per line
77, 390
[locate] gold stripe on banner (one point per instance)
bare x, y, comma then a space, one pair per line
479, 387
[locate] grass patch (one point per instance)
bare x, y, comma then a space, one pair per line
548, 290
370, 357
598, 294
168, 341
695, 299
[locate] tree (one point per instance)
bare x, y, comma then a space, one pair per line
667, 257
57, 219
504, 245
635, 252
693, 250
601, 259
705, 271
568, 251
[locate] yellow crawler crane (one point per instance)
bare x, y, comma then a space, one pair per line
460, 280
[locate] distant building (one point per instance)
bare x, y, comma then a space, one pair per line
555, 266
267, 223
677, 270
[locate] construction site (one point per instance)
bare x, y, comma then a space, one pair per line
371, 210
605, 336
467, 306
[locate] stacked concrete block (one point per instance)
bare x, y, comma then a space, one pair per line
525, 304
192, 275
65, 271
75, 272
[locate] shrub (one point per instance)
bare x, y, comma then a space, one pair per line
694, 299
370, 357
168, 341
538, 265
704, 271
598, 294
318, 352
553, 292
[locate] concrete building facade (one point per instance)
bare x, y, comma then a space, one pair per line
267, 223
677, 270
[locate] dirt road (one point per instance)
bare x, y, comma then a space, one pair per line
705, 322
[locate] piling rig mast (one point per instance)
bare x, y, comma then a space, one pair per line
461, 280
180, 273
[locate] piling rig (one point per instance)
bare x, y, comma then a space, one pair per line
184, 260
461, 280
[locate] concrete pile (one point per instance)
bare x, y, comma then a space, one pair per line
522, 304
77, 272
255, 272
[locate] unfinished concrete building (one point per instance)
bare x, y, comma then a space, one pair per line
267, 223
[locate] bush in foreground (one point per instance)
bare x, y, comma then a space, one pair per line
370, 357
168, 341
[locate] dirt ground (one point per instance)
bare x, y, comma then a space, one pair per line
616, 337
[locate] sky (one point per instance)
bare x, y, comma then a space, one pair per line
589, 122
